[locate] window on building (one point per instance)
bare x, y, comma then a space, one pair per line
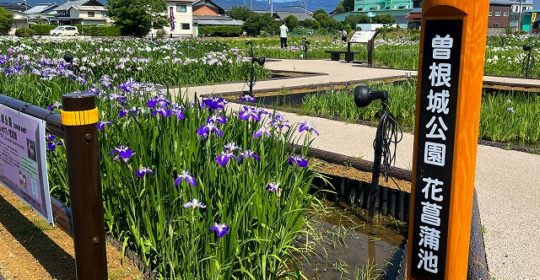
181, 8
497, 13
505, 13
91, 14
496, 25
490, 13
185, 26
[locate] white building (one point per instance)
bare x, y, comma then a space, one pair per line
86, 12
180, 15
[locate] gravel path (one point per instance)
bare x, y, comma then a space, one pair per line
506, 181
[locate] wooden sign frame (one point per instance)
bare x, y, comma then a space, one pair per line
451, 69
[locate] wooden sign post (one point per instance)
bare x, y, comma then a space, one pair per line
451, 69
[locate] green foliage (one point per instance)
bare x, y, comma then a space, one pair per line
135, 17
240, 13
310, 23
506, 117
325, 20
257, 24
42, 29
6, 20
220, 31
292, 22
353, 20
24, 32
384, 19
345, 6
94, 30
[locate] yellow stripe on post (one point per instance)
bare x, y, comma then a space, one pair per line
79, 118
450, 75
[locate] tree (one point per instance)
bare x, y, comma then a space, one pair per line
135, 17
310, 23
384, 19
257, 23
6, 20
240, 13
353, 20
325, 20
292, 21
345, 6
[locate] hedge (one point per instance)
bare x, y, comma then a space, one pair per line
94, 30
87, 30
220, 31
42, 29
24, 32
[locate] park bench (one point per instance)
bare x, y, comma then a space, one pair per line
358, 37
335, 55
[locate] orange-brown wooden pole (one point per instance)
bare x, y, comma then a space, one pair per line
474, 14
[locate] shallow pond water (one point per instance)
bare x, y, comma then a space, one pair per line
343, 245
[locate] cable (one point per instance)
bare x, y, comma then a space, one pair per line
392, 134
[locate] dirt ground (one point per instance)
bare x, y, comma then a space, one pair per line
31, 249
353, 173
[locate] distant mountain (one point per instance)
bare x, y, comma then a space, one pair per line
279, 5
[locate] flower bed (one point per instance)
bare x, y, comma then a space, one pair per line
165, 62
507, 117
504, 53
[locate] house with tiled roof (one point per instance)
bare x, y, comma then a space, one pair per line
85, 12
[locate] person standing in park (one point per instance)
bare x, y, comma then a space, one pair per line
344, 35
283, 30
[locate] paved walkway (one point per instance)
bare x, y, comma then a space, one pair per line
506, 181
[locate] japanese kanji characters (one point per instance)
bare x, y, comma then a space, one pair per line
435, 154
428, 261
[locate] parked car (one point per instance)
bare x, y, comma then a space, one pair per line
64, 30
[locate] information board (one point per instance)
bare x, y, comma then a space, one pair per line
362, 36
435, 147
23, 159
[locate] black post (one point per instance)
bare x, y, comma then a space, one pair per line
371, 48
79, 117
374, 189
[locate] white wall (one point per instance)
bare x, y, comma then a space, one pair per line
180, 18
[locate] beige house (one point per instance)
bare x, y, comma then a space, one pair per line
180, 15
86, 12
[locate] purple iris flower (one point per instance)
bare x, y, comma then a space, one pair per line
178, 112
106, 81
280, 122
247, 154
262, 132
194, 204
249, 113
214, 103
206, 130
157, 101
215, 119
122, 153
185, 176
231, 147
143, 172
273, 187
54, 106
307, 126
298, 161
162, 112
224, 158
248, 98
102, 125
52, 143
220, 230
124, 112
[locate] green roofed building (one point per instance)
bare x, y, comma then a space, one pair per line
399, 9
382, 5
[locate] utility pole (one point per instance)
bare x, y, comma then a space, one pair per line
271, 2
520, 17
